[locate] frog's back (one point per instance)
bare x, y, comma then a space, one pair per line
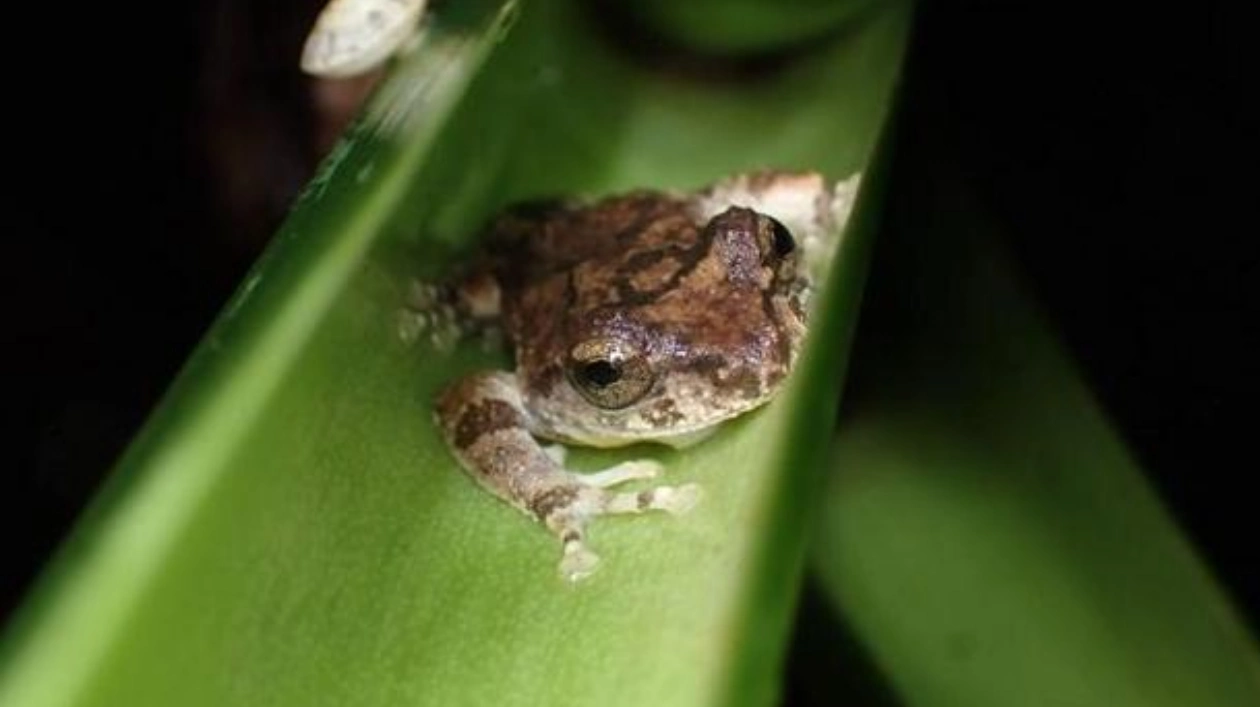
557, 260
538, 238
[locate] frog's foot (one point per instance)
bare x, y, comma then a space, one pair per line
633, 470
578, 562
487, 427
429, 311
621, 473
447, 313
671, 499
587, 502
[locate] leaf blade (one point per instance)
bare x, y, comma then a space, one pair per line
335, 553
987, 535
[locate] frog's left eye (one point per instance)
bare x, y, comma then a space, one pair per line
609, 373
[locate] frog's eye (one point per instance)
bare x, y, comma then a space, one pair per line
609, 373
599, 374
784, 243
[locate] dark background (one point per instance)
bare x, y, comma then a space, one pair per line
1111, 142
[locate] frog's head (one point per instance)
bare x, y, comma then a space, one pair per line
695, 334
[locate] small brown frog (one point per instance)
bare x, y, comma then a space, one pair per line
651, 316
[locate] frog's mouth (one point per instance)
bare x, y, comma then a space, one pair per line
678, 414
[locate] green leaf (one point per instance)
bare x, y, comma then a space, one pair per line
986, 534
289, 529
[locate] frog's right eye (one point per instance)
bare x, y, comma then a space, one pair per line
783, 241
609, 373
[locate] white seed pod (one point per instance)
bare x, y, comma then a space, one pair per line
352, 37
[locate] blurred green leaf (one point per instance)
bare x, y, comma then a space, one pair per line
288, 529
986, 534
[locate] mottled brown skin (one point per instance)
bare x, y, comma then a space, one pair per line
711, 298
639, 317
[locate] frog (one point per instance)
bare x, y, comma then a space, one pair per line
652, 316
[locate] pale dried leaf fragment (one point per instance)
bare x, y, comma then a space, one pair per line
352, 37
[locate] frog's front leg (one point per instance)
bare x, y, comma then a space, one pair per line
486, 425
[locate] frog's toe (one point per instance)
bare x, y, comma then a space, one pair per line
622, 473
672, 499
422, 296
578, 562
677, 499
411, 325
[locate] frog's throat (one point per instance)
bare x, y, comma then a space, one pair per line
677, 438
